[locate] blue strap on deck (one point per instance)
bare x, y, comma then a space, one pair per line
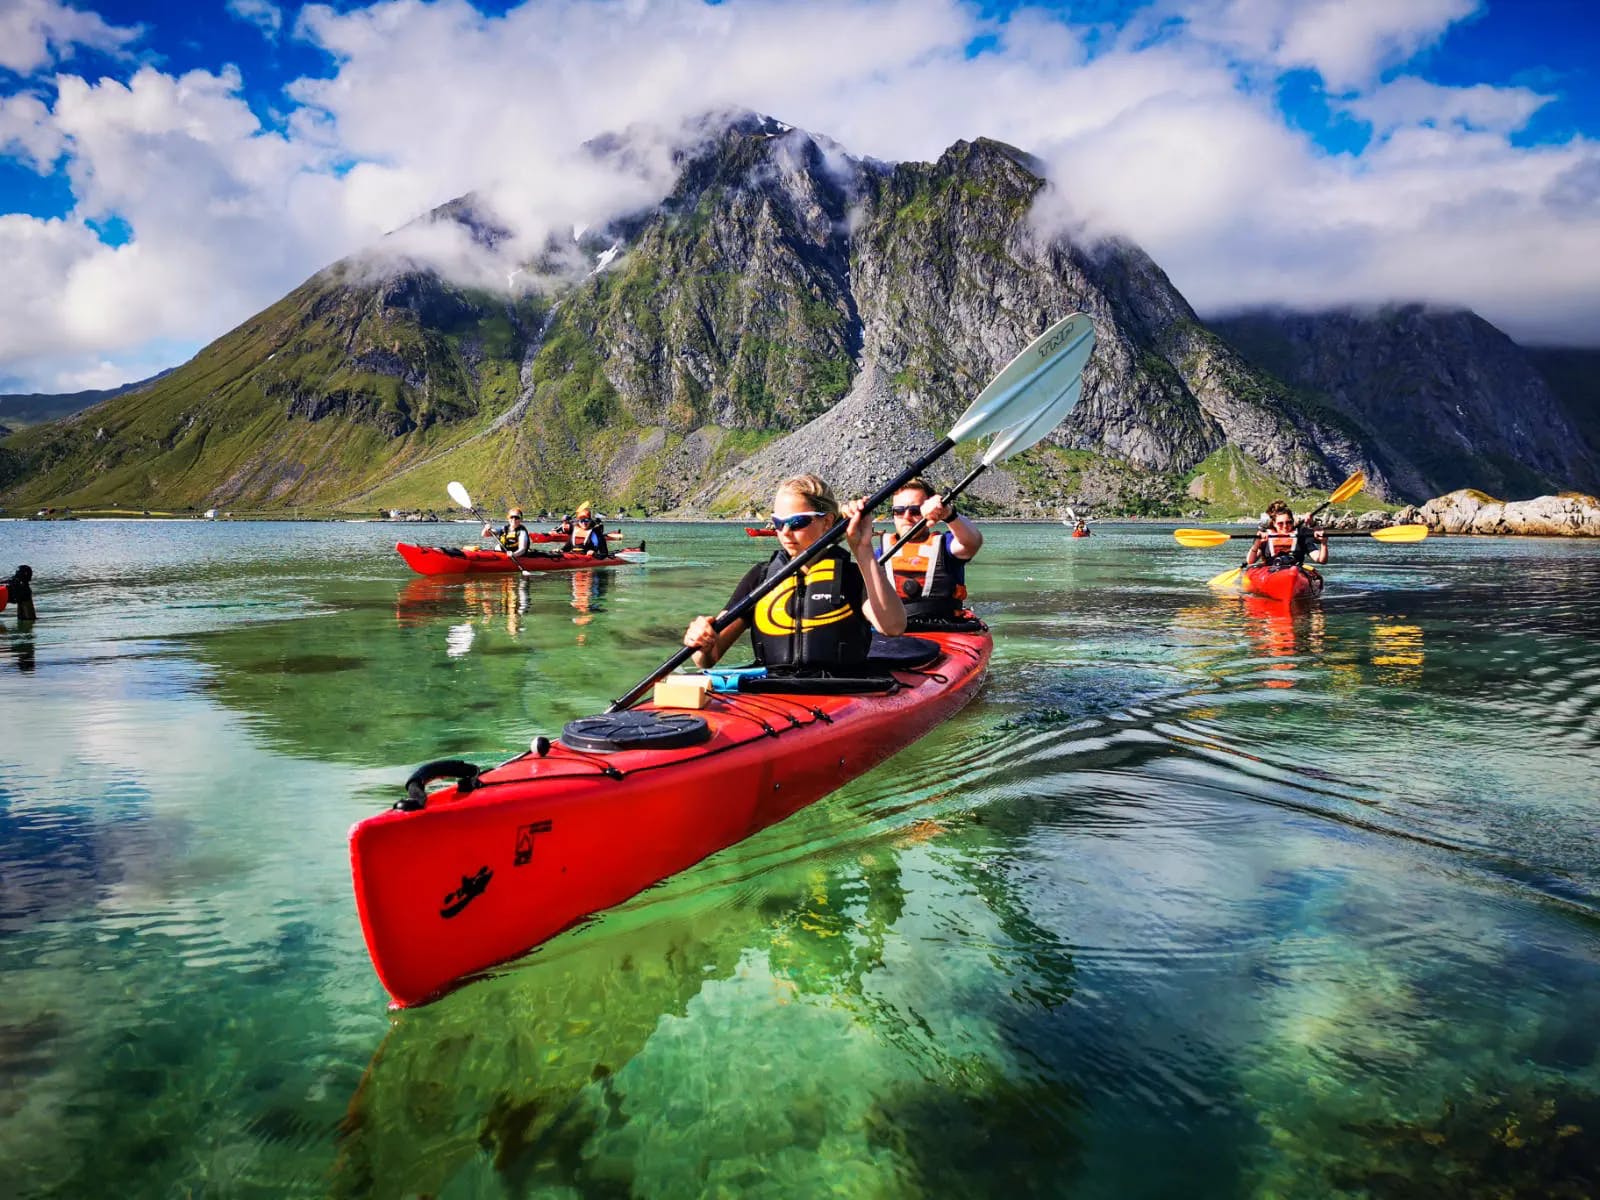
727, 679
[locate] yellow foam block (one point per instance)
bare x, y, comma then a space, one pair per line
682, 691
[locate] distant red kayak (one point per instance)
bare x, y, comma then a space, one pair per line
1286, 584
752, 531
1080, 533
449, 560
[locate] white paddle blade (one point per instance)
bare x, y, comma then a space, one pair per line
1032, 430
633, 555
458, 494
1043, 370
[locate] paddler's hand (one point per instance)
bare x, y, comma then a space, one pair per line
487, 532
935, 509
858, 528
700, 636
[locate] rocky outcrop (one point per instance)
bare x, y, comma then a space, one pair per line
1570, 514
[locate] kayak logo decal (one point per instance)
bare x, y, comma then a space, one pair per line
524, 852
472, 886
773, 617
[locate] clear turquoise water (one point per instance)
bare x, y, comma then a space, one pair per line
1197, 899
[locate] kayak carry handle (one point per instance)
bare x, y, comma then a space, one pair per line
416, 797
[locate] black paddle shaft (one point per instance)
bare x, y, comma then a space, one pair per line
807, 556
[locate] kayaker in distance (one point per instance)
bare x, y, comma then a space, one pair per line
564, 527
1286, 544
825, 625
588, 534
930, 572
1081, 529
512, 537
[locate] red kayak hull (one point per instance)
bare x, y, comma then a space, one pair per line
447, 560
752, 531
1285, 586
551, 840
1079, 533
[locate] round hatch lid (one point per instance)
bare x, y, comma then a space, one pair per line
641, 730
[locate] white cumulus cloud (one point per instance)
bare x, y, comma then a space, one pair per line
263, 14
40, 33
1161, 131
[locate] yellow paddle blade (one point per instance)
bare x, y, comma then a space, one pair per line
1197, 539
1401, 533
1226, 579
1348, 488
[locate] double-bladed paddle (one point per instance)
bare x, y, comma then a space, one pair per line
1015, 405
1199, 539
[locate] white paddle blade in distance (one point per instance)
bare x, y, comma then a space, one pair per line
635, 556
458, 494
1042, 372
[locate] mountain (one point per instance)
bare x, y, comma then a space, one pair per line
1573, 374
785, 306
21, 409
1444, 399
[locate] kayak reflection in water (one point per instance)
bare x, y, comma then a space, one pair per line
929, 571
825, 623
588, 589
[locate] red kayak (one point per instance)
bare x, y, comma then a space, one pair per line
469, 560
1284, 584
484, 870
752, 531
1080, 533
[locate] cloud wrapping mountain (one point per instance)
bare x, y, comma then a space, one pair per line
1163, 129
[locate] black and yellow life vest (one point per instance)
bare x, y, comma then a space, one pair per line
924, 575
508, 539
808, 619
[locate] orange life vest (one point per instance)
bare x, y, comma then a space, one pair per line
924, 576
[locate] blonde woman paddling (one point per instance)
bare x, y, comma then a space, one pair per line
821, 620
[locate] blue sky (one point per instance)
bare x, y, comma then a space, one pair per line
166, 170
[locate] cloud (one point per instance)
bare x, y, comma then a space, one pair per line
26, 132
1347, 42
40, 33
1161, 131
263, 14
1413, 101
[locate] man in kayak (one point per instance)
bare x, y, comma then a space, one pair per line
823, 623
1286, 544
1081, 529
588, 534
512, 537
930, 571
